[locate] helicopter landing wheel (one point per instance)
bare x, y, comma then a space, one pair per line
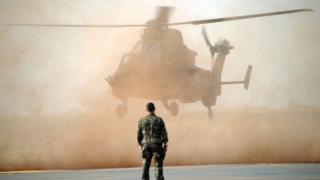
174, 108
210, 113
121, 110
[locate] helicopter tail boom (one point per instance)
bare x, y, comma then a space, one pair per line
245, 81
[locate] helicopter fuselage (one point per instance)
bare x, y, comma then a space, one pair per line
161, 67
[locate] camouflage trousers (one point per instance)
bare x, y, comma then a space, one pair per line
156, 151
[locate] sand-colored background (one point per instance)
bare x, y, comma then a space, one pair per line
57, 111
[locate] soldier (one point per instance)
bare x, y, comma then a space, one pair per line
152, 138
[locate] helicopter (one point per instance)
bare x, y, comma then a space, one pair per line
161, 67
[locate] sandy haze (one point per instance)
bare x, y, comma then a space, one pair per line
57, 112
102, 140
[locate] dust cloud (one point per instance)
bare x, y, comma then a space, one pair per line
101, 140
57, 112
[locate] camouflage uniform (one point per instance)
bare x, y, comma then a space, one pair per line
152, 137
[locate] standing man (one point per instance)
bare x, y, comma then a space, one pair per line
152, 138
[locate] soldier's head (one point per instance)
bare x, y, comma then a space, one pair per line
150, 107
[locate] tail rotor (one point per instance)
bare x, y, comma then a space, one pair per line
208, 43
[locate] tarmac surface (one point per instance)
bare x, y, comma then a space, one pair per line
209, 172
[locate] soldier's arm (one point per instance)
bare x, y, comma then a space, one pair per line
139, 133
164, 134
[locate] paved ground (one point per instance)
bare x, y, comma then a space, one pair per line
257, 171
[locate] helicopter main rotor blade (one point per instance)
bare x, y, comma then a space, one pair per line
78, 25
234, 18
163, 16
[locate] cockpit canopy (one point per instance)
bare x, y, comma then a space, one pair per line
127, 57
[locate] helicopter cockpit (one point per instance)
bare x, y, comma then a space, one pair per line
137, 48
127, 58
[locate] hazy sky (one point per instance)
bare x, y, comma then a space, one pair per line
59, 70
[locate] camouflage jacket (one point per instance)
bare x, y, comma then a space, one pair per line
151, 129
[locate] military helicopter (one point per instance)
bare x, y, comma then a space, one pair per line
161, 67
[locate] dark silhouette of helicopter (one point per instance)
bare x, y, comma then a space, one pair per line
161, 67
